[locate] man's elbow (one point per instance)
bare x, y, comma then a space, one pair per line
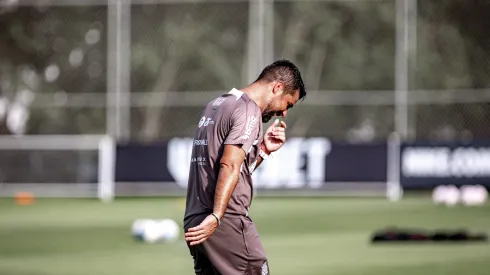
231, 167
232, 159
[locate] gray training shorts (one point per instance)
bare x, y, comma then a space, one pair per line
233, 249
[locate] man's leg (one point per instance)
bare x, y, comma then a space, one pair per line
233, 249
257, 258
226, 248
202, 264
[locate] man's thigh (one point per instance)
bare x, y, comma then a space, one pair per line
202, 264
257, 258
234, 248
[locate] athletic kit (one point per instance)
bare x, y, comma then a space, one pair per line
235, 246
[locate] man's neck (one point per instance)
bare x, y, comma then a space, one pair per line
256, 92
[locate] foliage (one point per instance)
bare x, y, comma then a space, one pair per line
338, 45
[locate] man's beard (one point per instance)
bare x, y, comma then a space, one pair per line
266, 118
267, 114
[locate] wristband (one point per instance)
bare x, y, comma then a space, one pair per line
262, 153
216, 216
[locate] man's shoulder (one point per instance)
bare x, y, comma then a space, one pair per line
244, 102
233, 100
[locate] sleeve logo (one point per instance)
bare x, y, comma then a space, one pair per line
251, 122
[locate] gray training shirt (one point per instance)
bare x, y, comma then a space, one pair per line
232, 118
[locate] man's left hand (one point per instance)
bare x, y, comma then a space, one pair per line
275, 136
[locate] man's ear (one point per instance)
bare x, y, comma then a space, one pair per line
278, 88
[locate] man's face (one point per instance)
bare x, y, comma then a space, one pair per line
279, 103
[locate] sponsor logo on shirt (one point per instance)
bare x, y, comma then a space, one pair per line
205, 122
199, 160
218, 101
201, 122
200, 142
251, 122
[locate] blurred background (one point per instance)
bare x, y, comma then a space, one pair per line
99, 99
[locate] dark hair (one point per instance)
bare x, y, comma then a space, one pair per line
286, 72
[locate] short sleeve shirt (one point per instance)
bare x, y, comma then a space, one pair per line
232, 118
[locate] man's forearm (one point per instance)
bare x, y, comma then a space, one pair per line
227, 180
260, 159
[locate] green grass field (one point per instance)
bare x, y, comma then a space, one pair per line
302, 236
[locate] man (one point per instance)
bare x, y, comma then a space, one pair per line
227, 148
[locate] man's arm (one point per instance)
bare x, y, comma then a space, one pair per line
230, 163
229, 171
240, 137
260, 159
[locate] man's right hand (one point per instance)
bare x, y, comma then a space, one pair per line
198, 234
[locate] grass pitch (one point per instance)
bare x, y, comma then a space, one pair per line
301, 235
